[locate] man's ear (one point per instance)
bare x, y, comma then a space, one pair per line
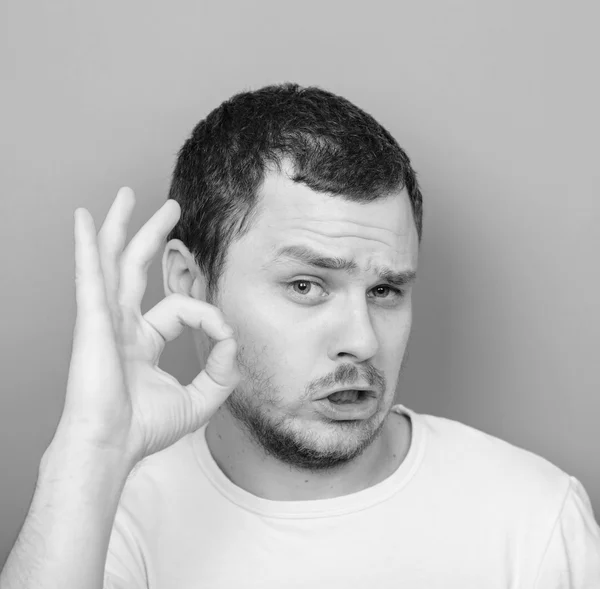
181, 273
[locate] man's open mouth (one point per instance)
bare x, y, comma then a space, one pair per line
348, 396
349, 405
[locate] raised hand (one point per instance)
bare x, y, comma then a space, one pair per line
117, 396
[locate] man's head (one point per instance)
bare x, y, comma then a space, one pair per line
284, 167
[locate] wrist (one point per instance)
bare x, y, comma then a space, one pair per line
71, 450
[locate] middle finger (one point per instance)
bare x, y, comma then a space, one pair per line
141, 250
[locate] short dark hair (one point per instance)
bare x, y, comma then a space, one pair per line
333, 146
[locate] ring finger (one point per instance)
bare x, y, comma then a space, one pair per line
111, 241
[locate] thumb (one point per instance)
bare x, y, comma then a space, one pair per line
217, 381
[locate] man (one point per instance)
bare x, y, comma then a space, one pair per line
294, 218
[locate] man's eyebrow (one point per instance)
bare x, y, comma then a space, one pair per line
311, 257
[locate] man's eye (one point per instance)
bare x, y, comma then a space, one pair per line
396, 291
304, 287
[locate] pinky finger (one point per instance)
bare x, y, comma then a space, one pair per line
89, 280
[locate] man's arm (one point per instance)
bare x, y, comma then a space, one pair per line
64, 540
120, 406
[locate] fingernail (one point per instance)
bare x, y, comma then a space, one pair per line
227, 330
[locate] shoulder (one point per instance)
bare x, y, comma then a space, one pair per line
488, 466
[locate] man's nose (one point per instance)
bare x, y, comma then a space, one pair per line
353, 333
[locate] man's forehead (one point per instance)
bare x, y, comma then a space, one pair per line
376, 234
285, 205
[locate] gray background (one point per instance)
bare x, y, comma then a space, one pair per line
496, 104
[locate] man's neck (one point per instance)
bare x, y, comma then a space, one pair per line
248, 467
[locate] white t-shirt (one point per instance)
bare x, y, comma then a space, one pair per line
464, 510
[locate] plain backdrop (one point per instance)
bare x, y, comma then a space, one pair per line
496, 103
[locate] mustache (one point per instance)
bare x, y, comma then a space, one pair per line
349, 375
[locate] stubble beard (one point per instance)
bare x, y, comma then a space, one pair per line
281, 437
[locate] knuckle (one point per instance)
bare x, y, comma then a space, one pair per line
116, 312
216, 369
177, 298
216, 313
122, 302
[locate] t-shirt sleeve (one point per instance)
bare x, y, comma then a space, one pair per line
125, 567
572, 557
